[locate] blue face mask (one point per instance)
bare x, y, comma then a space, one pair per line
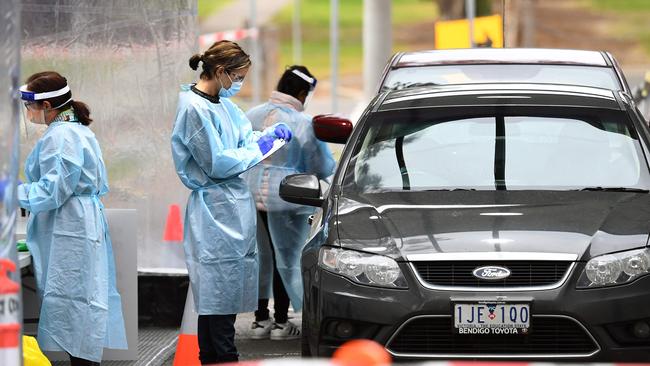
234, 88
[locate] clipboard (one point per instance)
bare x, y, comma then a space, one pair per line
277, 145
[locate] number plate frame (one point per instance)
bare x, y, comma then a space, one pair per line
521, 312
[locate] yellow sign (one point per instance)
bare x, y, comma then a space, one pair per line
488, 32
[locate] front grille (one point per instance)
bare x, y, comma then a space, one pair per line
522, 273
549, 336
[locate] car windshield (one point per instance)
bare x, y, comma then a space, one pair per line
413, 150
594, 76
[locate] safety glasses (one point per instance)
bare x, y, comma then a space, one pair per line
235, 78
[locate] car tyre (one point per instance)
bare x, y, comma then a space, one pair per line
305, 350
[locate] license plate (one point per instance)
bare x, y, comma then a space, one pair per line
491, 318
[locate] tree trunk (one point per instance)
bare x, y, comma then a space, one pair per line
451, 9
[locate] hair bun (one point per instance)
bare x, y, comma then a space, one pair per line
194, 61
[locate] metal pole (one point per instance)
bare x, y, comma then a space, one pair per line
470, 12
297, 34
255, 54
503, 22
529, 23
334, 52
377, 43
11, 353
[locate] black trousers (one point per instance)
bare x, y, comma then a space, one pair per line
216, 335
74, 361
280, 297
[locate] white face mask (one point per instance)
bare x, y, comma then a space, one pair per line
38, 117
34, 115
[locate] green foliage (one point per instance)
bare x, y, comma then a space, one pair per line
209, 7
315, 20
622, 5
635, 16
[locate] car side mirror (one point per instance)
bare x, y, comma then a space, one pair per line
330, 128
303, 189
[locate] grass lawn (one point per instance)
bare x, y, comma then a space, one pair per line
634, 18
315, 20
621, 5
209, 7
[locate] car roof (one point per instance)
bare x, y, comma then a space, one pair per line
499, 94
470, 56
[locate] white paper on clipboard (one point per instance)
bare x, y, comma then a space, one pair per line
277, 145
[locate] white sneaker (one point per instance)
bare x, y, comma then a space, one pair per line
284, 331
261, 329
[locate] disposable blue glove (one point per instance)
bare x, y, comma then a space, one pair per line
265, 143
282, 131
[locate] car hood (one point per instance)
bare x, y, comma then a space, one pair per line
404, 225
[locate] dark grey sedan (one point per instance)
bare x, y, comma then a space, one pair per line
501, 65
478, 221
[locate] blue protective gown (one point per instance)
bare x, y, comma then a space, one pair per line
287, 221
67, 236
212, 143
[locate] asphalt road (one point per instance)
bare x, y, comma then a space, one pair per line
250, 349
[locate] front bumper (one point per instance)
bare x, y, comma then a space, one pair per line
380, 314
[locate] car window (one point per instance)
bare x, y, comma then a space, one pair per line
454, 165
564, 152
499, 152
593, 76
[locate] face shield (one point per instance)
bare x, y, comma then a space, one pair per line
34, 111
312, 85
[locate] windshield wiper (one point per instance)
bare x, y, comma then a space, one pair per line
614, 189
401, 86
449, 189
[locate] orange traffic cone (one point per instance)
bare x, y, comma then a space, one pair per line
187, 348
174, 225
361, 352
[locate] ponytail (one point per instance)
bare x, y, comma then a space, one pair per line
82, 112
194, 61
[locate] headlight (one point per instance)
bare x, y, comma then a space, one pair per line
615, 269
363, 268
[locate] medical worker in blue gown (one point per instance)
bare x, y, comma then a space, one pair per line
67, 233
285, 223
212, 144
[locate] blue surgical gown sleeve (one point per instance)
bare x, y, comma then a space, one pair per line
103, 189
204, 142
247, 136
60, 164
